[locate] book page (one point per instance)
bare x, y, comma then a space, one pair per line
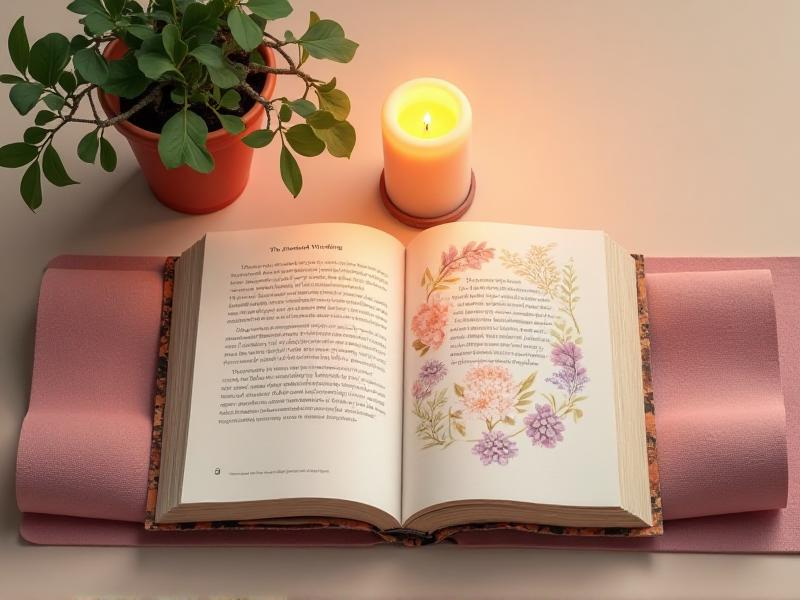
297, 388
508, 387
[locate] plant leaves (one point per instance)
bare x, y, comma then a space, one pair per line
68, 82
259, 139
43, 117
24, 96
325, 39
30, 188
97, 23
91, 65
335, 102
48, 58
173, 44
340, 139
141, 32
114, 7
54, 102
17, 154
34, 135
86, 7
213, 59
125, 79
459, 390
321, 119
285, 113
270, 9
231, 123
88, 147
230, 100
18, 47
183, 141
8, 78
108, 156
78, 42
303, 140
54, 169
290, 172
246, 33
302, 107
154, 64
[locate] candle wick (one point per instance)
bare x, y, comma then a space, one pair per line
427, 126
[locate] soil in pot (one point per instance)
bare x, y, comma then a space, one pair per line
153, 116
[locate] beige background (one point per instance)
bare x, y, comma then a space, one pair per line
672, 125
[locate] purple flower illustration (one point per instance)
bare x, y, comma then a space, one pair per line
431, 373
544, 427
495, 447
572, 376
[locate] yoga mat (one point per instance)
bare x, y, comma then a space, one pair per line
719, 411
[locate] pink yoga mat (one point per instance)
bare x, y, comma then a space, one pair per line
82, 464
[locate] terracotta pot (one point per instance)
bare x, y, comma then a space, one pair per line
184, 189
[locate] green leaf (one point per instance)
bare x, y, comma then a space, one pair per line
183, 141
246, 33
154, 65
173, 44
259, 139
8, 78
340, 139
125, 79
108, 156
86, 7
334, 101
285, 113
68, 82
24, 96
97, 23
303, 141
54, 169
230, 100
17, 154
302, 107
290, 172
142, 32
220, 71
321, 119
48, 57
313, 19
88, 146
91, 65
270, 9
327, 87
231, 123
54, 102
200, 21
34, 135
43, 117
114, 7
30, 188
78, 42
325, 39
18, 47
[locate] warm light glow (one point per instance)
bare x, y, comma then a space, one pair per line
427, 121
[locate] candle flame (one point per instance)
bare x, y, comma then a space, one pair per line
427, 121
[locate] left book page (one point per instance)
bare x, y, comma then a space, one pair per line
297, 386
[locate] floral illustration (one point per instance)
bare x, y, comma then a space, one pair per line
429, 323
430, 320
544, 427
488, 395
431, 373
495, 447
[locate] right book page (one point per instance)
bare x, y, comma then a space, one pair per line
508, 387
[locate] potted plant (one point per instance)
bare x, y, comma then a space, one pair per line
189, 84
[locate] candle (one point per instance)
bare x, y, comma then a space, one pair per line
427, 125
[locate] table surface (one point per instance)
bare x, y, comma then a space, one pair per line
673, 126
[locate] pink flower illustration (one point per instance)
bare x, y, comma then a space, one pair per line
489, 392
420, 390
472, 256
544, 427
430, 321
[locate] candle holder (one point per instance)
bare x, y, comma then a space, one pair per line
425, 222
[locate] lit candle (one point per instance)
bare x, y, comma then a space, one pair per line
427, 125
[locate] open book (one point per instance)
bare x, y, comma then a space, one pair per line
485, 373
